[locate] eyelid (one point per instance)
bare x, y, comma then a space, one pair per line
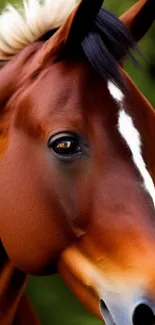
60, 135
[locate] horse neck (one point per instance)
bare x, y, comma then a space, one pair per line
12, 284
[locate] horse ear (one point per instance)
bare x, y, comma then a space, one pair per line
139, 18
73, 29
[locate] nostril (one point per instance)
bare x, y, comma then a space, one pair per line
143, 315
106, 313
103, 307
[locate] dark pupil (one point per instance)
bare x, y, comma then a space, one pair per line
65, 146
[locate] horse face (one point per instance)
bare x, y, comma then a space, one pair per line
72, 181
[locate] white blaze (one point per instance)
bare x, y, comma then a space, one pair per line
132, 138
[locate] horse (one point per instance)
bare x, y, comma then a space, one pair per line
77, 159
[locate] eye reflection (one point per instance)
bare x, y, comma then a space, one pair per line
64, 145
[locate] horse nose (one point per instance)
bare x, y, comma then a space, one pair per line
141, 313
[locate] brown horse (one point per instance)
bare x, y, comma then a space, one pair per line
77, 160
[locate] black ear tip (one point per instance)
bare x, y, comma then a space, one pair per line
86, 13
91, 5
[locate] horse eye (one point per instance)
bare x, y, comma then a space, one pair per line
64, 145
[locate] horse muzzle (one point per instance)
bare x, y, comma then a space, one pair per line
115, 303
140, 311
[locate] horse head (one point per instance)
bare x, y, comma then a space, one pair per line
77, 162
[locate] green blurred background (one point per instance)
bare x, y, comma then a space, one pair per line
54, 302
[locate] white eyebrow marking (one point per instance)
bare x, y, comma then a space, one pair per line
133, 139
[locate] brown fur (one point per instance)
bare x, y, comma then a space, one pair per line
93, 218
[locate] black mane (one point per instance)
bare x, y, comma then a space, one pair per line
105, 44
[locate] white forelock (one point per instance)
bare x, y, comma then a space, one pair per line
20, 27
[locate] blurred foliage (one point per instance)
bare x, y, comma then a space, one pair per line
54, 302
